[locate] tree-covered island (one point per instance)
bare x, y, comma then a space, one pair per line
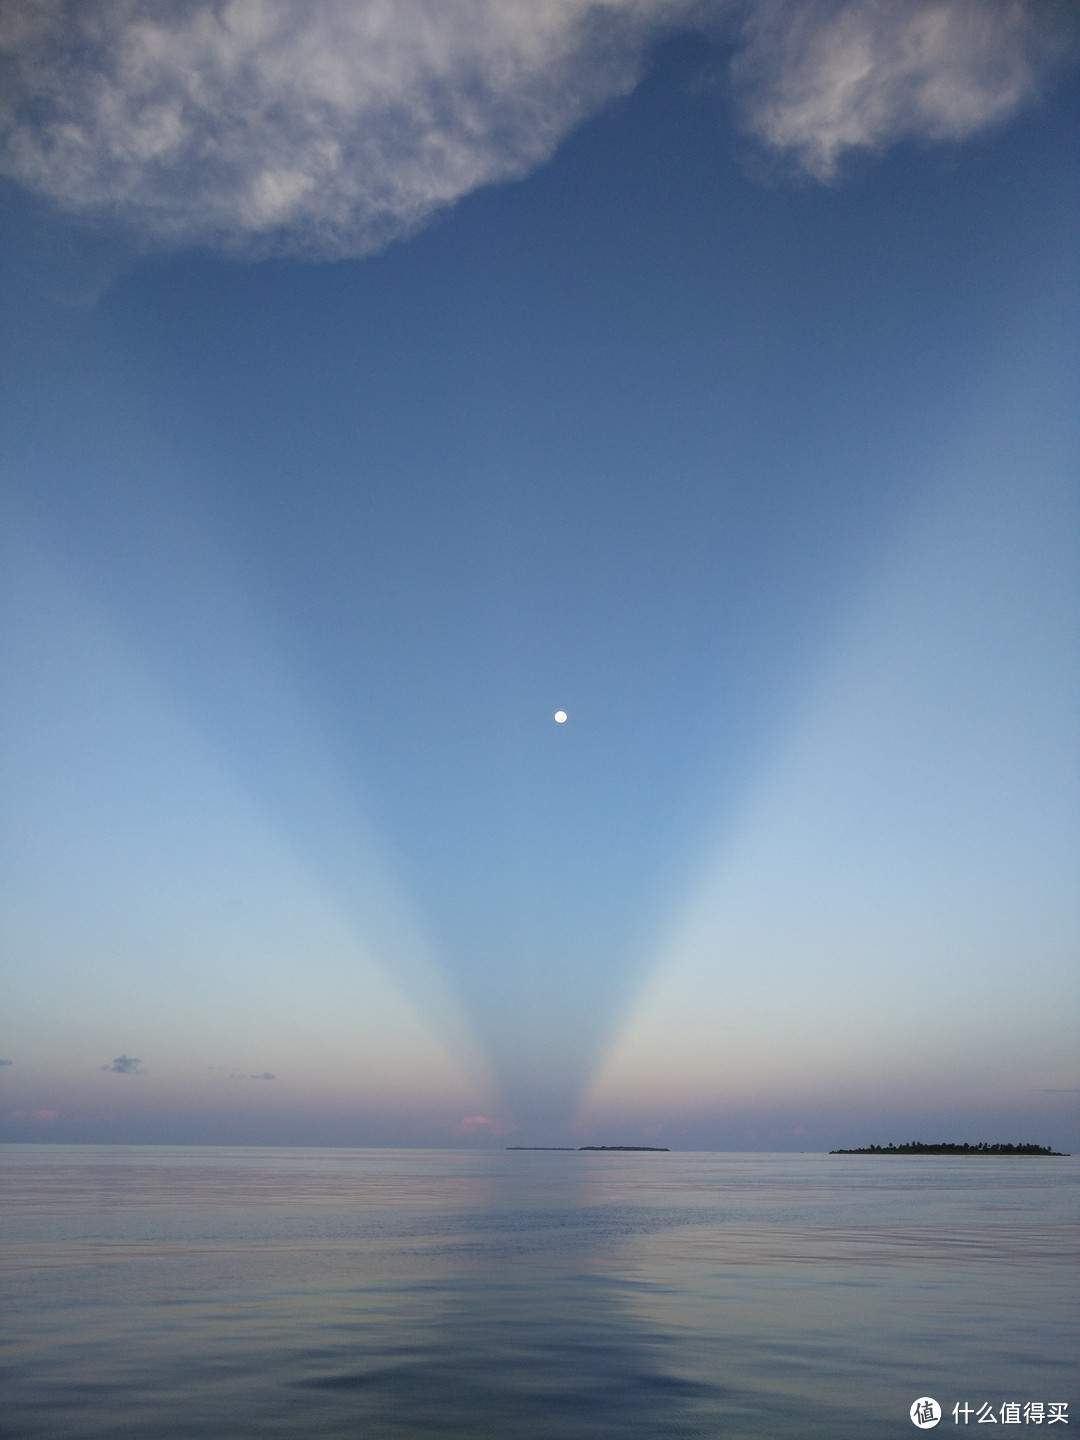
652, 1149
916, 1147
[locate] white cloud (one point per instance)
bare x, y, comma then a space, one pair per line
329, 127
819, 78
325, 127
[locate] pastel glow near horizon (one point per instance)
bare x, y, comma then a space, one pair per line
658, 372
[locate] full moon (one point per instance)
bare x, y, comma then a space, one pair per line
560, 717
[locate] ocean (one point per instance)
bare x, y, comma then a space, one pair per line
190, 1293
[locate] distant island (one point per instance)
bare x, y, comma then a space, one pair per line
916, 1147
652, 1149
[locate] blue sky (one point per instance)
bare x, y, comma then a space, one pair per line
376, 383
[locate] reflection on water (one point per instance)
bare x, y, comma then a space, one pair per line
216, 1294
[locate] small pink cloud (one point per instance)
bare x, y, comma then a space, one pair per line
483, 1125
799, 1131
34, 1117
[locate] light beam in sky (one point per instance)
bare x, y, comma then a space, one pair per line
905, 877
182, 926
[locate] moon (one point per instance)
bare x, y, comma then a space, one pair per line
560, 717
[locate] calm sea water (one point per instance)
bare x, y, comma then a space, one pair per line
217, 1294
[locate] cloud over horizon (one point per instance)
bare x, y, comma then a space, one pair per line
329, 129
124, 1065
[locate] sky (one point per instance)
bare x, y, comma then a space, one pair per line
378, 380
